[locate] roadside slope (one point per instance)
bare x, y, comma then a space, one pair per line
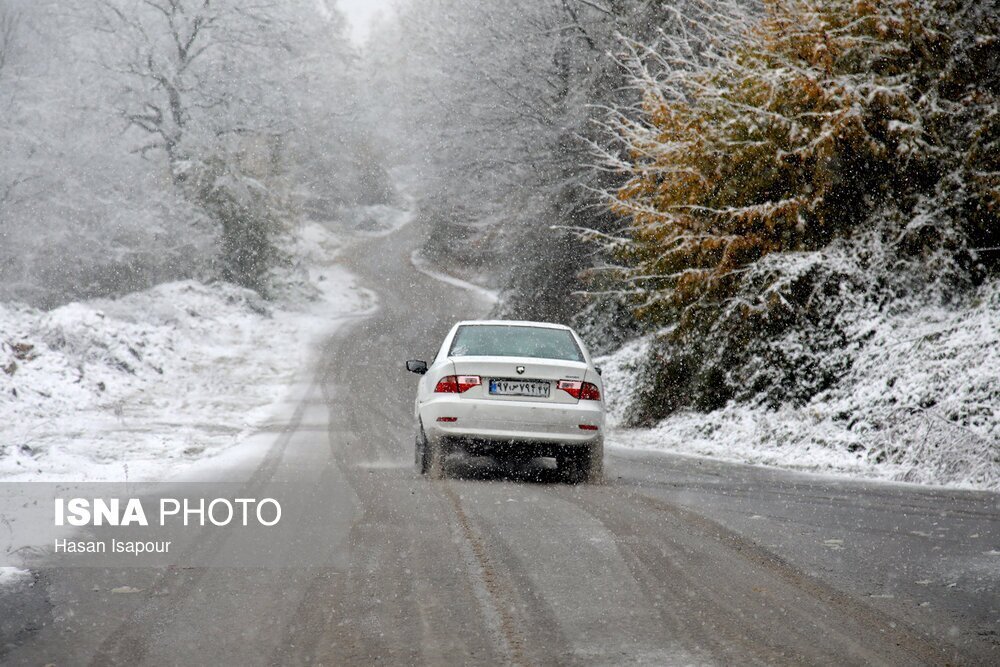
140, 387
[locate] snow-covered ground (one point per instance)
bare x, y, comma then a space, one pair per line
920, 404
136, 387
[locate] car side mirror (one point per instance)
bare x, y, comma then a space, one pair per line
598, 369
416, 366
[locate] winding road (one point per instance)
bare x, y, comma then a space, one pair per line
672, 561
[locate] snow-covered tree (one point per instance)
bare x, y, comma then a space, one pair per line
763, 139
490, 105
223, 89
189, 70
780, 142
81, 215
128, 127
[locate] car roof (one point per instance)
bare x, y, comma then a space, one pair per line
519, 323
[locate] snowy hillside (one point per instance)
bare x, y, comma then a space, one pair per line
921, 403
130, 388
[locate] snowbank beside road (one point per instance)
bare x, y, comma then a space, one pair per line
133, 388
921, 403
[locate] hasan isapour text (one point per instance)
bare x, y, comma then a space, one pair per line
113, 546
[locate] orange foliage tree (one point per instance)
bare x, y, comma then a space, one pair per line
779, 137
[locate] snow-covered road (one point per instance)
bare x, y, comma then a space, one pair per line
673, 561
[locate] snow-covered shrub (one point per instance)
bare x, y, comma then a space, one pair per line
618, 373
606, 324
764, 352
924, 393
249, 213
920, 402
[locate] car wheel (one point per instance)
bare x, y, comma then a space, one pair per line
568, 466
434, 458
422, 456
583, 464
594, 473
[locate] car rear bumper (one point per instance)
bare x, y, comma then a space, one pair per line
518, 449
488, 422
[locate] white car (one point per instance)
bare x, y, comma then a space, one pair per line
511, 389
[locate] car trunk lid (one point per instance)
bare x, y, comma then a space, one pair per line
519, 379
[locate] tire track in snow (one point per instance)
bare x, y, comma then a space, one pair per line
874, 636
487, 586
129, 644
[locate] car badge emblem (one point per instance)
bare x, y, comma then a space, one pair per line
520, 370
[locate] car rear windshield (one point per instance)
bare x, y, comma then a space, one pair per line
501, 340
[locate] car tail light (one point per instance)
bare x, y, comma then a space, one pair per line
588, 427
447, 385
447, 419
583, 391
467, 382
456, 384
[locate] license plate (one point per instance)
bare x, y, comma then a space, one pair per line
519, 388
